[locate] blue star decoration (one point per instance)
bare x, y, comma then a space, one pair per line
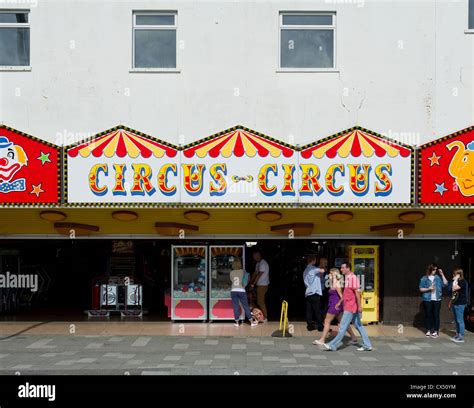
440, 188
44, 158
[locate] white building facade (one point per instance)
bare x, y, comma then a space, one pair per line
306, 91
182, 70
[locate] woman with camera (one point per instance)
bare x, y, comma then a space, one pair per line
431, 288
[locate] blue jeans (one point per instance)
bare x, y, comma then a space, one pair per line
347, 319
242, 297
458, 311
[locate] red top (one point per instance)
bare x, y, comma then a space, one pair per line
351, 285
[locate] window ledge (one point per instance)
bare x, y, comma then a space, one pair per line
469, 31
156, 70
304, 70
14, 68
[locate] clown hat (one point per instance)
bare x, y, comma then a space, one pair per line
4, 142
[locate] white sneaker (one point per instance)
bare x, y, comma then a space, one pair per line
236, 323
326, 346
253, 323
434, 335
428, 334
364, 348
318, 343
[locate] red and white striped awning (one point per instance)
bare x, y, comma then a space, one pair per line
238, 143
221, 251
355, 144
122, 143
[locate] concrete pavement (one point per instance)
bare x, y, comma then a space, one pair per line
237, 351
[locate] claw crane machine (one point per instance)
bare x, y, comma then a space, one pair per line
365, 264
189, 282
220, 261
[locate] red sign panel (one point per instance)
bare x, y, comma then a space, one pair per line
29, 169
447, 170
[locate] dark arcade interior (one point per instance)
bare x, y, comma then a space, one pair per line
68, 270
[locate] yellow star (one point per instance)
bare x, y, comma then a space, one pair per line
37, 190
434, 159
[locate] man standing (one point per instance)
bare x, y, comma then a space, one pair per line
312, 281
352, 311
260, 280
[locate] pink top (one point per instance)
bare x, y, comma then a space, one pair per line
351, 284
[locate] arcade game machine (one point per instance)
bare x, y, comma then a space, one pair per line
365, 264
189, 283
220, 260
119, 291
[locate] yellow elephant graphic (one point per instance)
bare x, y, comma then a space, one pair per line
462, 167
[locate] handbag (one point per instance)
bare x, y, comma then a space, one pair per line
454, 297
258, 315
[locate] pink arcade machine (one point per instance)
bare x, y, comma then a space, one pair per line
200, 282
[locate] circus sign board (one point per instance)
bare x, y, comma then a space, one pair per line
356, 166
122, 166
29, 169
446, 170
239, 166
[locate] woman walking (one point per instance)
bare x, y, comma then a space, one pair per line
335, 308
458, 303
431, 288
238, 294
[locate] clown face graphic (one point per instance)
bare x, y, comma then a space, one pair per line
12, 159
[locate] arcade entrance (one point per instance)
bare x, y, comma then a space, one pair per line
69, 273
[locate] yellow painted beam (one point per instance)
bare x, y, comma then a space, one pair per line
235, 221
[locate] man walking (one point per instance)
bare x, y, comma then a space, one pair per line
260, 280
352, 311
313, 293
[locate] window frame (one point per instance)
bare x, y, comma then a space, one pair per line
282, 27
18, 25
135, 27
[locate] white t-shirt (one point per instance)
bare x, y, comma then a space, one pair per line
263, 267
433, 294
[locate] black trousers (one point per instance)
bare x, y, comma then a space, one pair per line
313, 312
432, 309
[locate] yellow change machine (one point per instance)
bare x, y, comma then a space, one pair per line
365, 264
